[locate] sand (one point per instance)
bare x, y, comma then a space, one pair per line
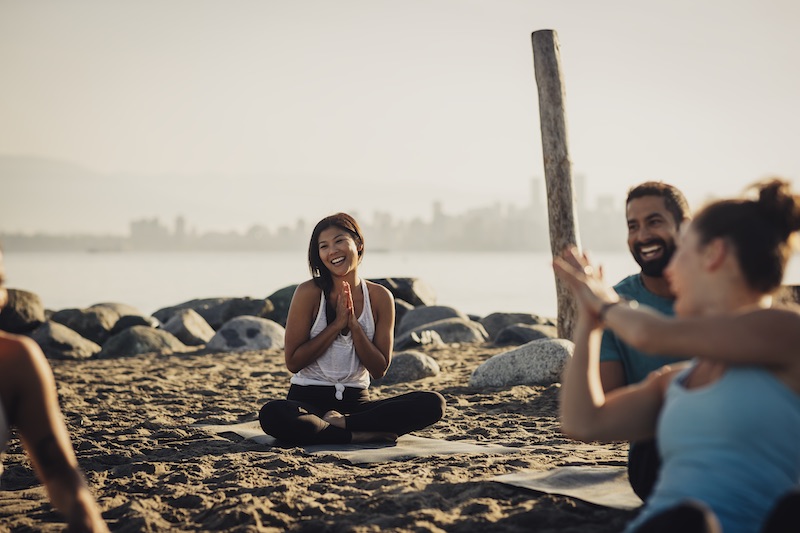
131, 422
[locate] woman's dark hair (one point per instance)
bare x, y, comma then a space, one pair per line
760, 230
319, 272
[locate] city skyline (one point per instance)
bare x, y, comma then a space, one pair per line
489, 228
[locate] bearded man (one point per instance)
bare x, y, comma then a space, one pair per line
655, 212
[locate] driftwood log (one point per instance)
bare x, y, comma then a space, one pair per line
557, 166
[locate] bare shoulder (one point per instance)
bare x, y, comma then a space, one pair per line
307, 290
379, 293
18, 349
22, 362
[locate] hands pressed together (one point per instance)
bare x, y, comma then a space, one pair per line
345, 310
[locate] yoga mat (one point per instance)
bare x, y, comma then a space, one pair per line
601, 485
248, 430
407, 446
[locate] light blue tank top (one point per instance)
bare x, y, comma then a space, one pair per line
733, 444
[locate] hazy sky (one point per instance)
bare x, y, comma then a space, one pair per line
234, 112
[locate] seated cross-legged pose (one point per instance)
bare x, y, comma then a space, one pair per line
727, 423
339, 331
29, 403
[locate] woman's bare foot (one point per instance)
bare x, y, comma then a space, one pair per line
334, 418
373, 436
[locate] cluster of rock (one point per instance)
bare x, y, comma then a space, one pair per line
108, 330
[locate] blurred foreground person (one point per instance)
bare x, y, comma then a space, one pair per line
29, 403
728, 422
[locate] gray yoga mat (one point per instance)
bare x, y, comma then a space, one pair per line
407, 446
601, 485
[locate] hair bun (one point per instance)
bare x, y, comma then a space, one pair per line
778, 205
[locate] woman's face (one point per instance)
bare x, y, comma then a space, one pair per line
338, 250
685, 273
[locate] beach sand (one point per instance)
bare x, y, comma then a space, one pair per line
131, 422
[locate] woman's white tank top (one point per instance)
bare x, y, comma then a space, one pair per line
339, 365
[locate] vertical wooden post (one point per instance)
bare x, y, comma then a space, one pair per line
557, 166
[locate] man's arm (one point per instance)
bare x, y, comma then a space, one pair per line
612, 375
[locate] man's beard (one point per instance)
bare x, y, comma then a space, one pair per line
654, 268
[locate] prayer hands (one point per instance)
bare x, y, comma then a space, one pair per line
345, 313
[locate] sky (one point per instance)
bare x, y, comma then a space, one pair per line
234, 113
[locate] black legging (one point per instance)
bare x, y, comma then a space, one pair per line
298, 419
644, 463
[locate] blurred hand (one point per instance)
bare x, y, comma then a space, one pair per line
585, 281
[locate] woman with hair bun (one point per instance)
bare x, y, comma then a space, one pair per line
340, 330
727, 423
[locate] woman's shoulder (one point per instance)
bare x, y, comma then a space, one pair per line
307, 294
376, 290
18, 352
14, 346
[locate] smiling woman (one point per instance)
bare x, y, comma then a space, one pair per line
339, 332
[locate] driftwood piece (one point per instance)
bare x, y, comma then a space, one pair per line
557, 165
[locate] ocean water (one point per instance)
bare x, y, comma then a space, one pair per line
474, 282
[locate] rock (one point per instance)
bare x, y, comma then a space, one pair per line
138, 340
539, 362
495, 322
455, 330
409, 366
189, 327
59, 342
420, 316
401, 307
247, 333
217, 311
412, 290
281, 299
93, 323
23, 313
128, 321
417, 338
524, 333
120, 309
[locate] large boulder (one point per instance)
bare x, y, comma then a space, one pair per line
412, 290
281, 299
189, 327
23, 313
94, 323
496, 322
138, 340
539, 362
247, 333
100, 321
401, 307
409, 366
419, 316
417, 339
59, 342
217, 311
128, 321
524, 333
452, 330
